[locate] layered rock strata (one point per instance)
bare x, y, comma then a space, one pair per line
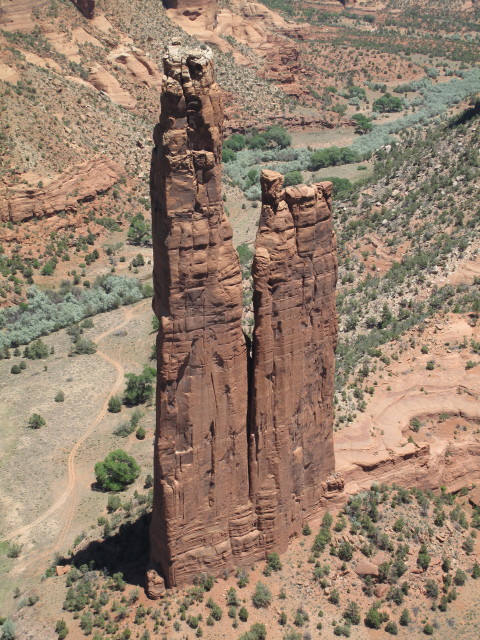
294, 274
239, 465
64, 192
202, 517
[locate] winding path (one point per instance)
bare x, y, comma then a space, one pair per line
70, 490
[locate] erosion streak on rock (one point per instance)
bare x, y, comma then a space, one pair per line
294, 273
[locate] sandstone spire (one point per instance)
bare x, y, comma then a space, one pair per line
202, 518
291, 420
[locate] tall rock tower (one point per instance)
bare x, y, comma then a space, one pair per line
202, 517
291, 413
240, 464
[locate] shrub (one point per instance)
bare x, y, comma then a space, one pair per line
273, 561
352, 613
59, 397
140, 433
243, 614
36, 421
83, 347
306, 529
476, 571
292, 178
374, 618
334, 597
114, 503
423, 559
431, 589
114, 404
391, 627
345, 551
14, 550
428, 629
405, 618
38, 350
61, 629
117, 471
8, 630
460, 578
15, 369
262, 596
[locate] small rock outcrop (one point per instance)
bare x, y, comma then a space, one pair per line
63, 192
240, 465
291, 421
202, 519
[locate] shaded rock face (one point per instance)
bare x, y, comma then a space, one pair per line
202, 518
86, 7
294, 274
239, 465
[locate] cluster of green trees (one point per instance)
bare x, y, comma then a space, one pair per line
274, 136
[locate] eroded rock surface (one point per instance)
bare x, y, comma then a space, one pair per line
225, 494
202, 518
63, 192
294, 274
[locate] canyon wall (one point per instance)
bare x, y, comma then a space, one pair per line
202, 515
291, 421
239, 464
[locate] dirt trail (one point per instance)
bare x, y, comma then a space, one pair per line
70, 490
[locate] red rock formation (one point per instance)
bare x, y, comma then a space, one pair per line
86, 7
64, 192
202, 518
201, 11
291, 421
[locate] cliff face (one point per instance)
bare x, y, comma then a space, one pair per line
86, 7
226, 493
294, 273
202, 516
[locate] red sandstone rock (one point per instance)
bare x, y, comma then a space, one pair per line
64, 192
291, 422
202, 518
366, 568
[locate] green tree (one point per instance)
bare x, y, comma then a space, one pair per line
117, 471
388, 104
139, 387
362, 123
139, 231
